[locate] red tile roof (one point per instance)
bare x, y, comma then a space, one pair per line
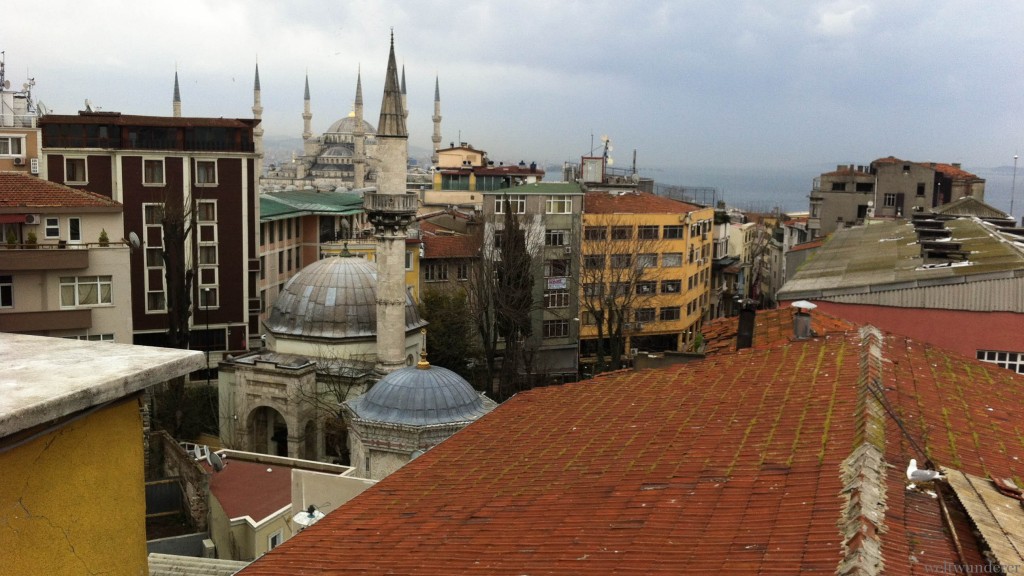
808, 245
19, 190
771, 328
248, 489
953, 172
775, 460
633, 202
436, 244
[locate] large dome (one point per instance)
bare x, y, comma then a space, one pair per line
333, 298
421, 397
347, 125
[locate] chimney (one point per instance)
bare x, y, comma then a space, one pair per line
802, 319
745, 332
956, 165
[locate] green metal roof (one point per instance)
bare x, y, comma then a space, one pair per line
887, 255
291, 203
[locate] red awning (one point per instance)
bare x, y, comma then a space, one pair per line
12, 218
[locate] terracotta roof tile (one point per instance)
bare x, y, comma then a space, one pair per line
740, 463
633, 202
437, 244
771, 328
19, 190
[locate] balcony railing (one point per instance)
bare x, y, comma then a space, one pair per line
18, 120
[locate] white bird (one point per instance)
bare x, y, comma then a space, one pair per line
916, 475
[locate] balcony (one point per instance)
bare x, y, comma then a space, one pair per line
25, 257
45, 320
388, 210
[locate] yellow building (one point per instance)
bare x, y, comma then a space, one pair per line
73, 497
645, 273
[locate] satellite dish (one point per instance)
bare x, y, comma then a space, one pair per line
636, 178
7, 84
611, 161
870, 203
133, 240
604, 137
610, 148
309, 517
215, 461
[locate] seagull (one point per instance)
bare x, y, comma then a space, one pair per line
916, 475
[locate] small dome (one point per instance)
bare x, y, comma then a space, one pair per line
347, 125
421, 397
333, 298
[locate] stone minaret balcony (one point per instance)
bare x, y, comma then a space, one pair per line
390, 210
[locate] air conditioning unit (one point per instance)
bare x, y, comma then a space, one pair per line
633, 351
19, 161
33, 219
33, 165
568, 249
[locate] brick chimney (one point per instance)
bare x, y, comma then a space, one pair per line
745, 332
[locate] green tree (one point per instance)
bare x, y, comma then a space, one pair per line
450, 323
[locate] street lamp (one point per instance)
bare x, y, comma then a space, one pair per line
206, 304
1013, 188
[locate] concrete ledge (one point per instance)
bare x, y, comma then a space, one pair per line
43, 379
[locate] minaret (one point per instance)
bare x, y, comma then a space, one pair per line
405, 99
257, 114
307, 118
177, 97
391, 210
436, 138
359, 136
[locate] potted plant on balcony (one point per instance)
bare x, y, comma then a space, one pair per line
12, 240
104, 239
31, 241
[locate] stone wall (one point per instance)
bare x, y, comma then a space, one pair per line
194, 479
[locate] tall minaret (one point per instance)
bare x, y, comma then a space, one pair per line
257, 114
177, 97
436, 138
359, 136
391, 210
405, 99
307, 118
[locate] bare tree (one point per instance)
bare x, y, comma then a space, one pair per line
616, 281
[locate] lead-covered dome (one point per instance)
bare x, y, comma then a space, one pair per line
347, 125
421, 396
333, 298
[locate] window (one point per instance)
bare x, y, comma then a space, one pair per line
669, 313
646, 287
206, 221
152, 215
559, 205
647, 260
839, 186
207, 254
920, 188
74, 171
647, 232
153, 172
52, 228
1009, 360
593, 261
74, 229
593, 290
645, 315
11, 146
622, 232
672, 232
6, 291
556, 237
671, 259
288, 227
889, 200
408, 260
275, 540
208, 297
78, 291
671, 286
619, 289
206, 172
556, 328
517, 201
622, 260
865, 186
435, 272
270, 228
589, 319
93, 337
263, 267
556, 268
595, 233
556, 298
462, 271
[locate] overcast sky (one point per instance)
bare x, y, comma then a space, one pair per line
705, 85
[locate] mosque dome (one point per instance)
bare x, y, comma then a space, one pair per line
347, 125
421, 396
333, 298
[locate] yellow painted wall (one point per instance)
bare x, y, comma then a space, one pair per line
412, 276
661, 246
73, 501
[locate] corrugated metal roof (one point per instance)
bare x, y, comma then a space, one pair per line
290, 203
